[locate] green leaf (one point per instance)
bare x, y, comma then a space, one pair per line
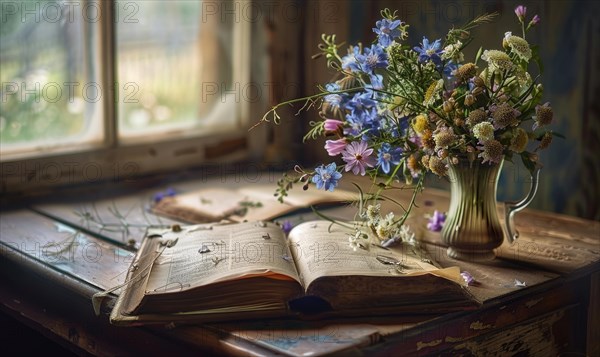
478, 56
535, 56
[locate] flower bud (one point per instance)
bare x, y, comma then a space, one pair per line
442, 153
448, 105
534, 21
477, 91
521, 11
469, 100
478, 81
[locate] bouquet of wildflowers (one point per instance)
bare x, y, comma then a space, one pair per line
396, 112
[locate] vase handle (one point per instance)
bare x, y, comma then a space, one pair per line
510, 208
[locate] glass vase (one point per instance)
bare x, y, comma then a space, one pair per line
472, 229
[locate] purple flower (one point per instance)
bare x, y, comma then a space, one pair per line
373, 57
436, 222
536, 20
357, 157
388, 156
430, 52
159, 196
335, 147
286, 226
332, 124
521, 11
387, 31
326, 177
468, 278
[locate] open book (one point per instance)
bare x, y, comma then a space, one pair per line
251, 270
248, 203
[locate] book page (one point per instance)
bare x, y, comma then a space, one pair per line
210, 205
298, 197
207, 254
321, 249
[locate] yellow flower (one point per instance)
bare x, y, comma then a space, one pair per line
466, 71
433, 89
420, 123
437, 166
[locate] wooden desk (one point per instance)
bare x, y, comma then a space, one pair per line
52, 261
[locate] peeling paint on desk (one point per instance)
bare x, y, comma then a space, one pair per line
433, 343
478, 325
451, 339
286, 343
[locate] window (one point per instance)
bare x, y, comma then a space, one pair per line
94, 90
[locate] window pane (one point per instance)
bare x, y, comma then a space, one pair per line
49, 96
174, 68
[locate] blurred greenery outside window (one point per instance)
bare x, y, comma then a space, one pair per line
175, 63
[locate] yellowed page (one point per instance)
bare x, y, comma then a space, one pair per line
322, 249
206, 254
214, 202
297, 196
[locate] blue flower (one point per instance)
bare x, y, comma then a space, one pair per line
373, 57
387, 156
430, 52
365, 121
335, 100
449, 70
376, 81
387, 31
326, 177
349, 61
360, 102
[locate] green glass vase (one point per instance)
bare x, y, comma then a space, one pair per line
472, 229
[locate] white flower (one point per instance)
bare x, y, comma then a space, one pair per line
484, 131
407, 235
386, 227
518, 45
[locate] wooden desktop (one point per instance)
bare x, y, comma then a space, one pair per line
540, 294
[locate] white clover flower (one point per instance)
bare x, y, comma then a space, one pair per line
497, 60
518, 45
484, 131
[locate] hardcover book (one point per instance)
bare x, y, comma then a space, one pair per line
204, 273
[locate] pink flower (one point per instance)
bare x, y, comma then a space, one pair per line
357, 157
521, 11
335, 147
332, 124
536, 20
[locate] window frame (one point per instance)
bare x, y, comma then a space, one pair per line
115, 160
